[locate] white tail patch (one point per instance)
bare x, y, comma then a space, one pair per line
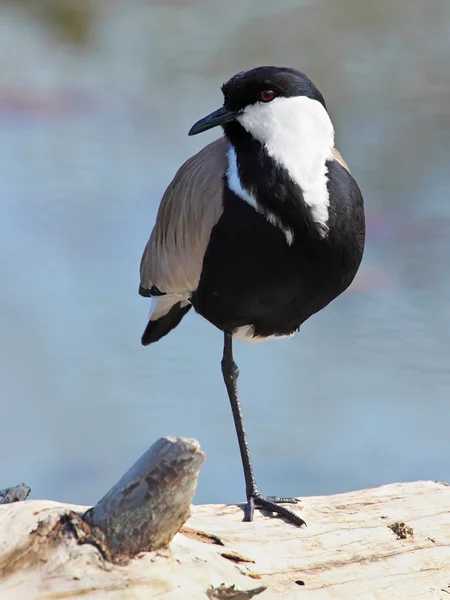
235, 185
246, 334
161, 305
298, 134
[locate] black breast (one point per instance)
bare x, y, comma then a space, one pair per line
251, 276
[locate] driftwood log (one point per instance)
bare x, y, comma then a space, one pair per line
391, 542
14, 494
150, 503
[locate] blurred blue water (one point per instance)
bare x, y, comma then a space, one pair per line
90, 137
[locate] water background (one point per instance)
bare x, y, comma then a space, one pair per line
96, 99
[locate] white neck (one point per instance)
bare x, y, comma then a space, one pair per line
235, 185
298, 134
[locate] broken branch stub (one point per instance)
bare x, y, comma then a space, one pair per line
151, 502
14, 494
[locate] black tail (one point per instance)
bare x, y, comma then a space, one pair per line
157, 329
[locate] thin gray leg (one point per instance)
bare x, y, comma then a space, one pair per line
230, 373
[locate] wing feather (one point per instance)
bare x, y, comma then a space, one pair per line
191, 206
338, 158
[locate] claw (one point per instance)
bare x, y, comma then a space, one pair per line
278, 500
272, 504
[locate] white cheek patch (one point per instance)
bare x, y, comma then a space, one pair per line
235, 185
298, 134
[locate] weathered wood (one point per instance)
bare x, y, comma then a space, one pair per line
387, 543
14, 494
150, 503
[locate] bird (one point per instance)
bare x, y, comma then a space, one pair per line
258, 231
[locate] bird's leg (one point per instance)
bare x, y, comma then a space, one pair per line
254, 498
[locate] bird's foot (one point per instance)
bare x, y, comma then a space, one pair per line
272, 504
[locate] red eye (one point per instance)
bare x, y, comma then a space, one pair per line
266, 95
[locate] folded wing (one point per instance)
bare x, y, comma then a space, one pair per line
172, 261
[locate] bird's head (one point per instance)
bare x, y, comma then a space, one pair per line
269, 103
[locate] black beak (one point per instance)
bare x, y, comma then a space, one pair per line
218, 117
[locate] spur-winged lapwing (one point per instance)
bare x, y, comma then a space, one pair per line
258, 231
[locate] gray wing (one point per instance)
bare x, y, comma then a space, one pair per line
191, 206
338, 158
